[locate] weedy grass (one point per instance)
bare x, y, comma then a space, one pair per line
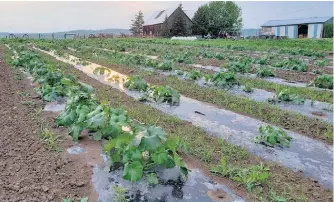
23, 94
29, 103
119, 194
50, 139
85, 199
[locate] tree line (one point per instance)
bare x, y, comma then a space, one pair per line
211, 18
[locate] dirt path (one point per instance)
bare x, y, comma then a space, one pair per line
29, 171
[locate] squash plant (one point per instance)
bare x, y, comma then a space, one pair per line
323, 81
141, 149
195, 74
271, 136
135, 83
224, 79
162, 94
286, 96
264, 72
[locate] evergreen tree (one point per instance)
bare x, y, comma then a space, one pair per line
178, 27
137, 24
165, 31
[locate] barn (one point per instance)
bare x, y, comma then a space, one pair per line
154, 24
297, 28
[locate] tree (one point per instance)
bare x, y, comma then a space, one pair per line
200, 21
328, 31
165, 31
178, 25
217, 16
137, 24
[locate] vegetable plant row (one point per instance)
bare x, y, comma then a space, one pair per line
137, 147
257, 177
189, 54
262, 111
240, 64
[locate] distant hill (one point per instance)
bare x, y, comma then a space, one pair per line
60, 35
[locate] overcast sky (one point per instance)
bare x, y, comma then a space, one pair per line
65, 16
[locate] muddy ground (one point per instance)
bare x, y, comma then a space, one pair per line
29, 169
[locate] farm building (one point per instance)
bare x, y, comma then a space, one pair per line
297, 28
154, 24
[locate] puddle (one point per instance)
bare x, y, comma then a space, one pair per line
311, 156
56, 106
171, 187
75, 149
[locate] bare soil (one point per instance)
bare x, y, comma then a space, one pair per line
29, 171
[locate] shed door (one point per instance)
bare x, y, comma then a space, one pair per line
310, 31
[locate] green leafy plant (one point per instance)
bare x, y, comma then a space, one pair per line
165, 65
264, 72
250, 177
220, 56
271, 136
323, 81
224, 79
240, 67
286, 96
292, 64
321, 63
261, 61
119, 194
162, 94
142, 149
247, 89
81, 200
152, 178
195, 74
135, 83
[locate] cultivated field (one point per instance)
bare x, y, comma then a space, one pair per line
168, 120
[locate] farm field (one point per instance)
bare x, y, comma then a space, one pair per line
248, 120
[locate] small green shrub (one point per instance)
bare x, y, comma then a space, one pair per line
323, 81
264, 72
271, 136
250, 177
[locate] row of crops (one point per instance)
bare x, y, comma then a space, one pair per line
140, 147
224, 80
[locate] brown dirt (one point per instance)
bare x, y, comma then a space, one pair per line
29, 171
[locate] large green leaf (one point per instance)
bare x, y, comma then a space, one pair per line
96, 121
132, 154
133, 171
152, 138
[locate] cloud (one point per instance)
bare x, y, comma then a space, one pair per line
63, 16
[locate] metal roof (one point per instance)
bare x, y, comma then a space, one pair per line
159, 16
272, 23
